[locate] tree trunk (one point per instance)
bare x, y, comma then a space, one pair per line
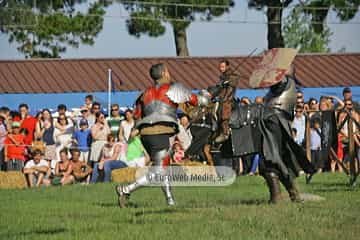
275, 38
180, 42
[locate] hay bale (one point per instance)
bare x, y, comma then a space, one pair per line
12, 179
123, 175
197, 168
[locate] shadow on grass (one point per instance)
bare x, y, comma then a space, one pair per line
52, 231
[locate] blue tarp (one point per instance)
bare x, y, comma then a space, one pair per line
126, 99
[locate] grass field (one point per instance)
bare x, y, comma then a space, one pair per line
239, 211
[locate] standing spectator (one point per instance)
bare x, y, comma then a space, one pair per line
27, 122
80, 170
45, 132
347, 94
63, 134
344, 132
299, 123
99, 132
114, 120
5, 113
315, 144
126, 125
184, 135
245, 101
313, 107
259, 100
3, 134
37, 170
96, 107
82, 138
85, 114
89, 101
15, 149
110, 160
63, 170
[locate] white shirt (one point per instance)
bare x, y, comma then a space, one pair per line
127, 126
31, 163
184, 137
299, 124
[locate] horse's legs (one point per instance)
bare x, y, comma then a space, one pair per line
207, 153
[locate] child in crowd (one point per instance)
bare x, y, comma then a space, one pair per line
178, 151
82, 138
15, 149
136, 155
315, 144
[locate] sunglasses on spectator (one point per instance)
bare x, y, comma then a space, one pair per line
115, 109
348, 104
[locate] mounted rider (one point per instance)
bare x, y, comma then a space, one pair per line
224, 92
156, 122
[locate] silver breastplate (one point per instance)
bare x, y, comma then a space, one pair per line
282, 96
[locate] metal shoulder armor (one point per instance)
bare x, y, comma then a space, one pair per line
178, 93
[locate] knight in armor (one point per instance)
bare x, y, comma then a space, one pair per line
224, 93
156, 122
283, 158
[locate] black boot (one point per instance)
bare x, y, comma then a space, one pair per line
292, 189
272, 180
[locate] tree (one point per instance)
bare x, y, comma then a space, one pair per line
299, 33
319, 10
45, 30
150, 18
274, 10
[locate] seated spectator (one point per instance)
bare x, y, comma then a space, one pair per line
80, 170
178, 152
63, 134
27, 122
63, 170
15, 149
110, 160
126, 126
82, 138
136, 155
37, 170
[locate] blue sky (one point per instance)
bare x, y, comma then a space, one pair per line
219, 38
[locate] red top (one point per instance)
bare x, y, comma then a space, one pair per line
13, 151
158, 93
29, 123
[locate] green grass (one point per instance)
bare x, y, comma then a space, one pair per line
239, 211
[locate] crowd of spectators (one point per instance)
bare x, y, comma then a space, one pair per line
67, 147
63, 148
